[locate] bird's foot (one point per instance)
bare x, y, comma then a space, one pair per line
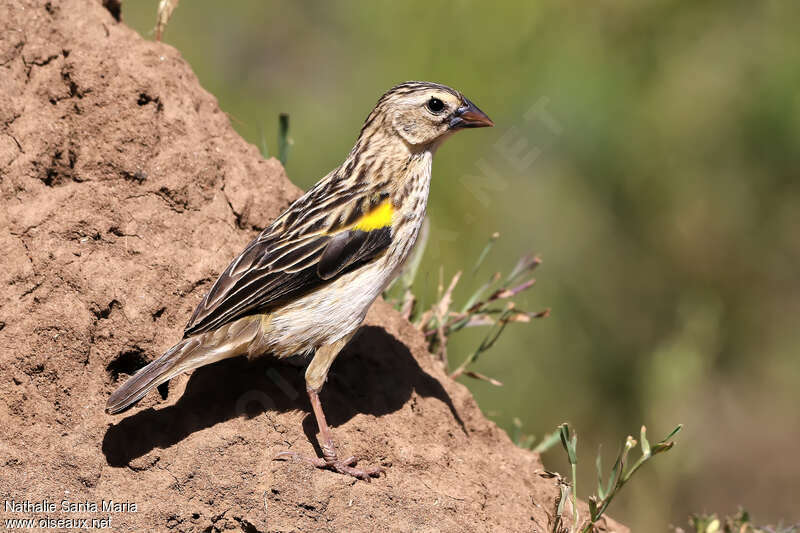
343, 466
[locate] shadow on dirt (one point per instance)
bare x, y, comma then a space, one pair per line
375, 375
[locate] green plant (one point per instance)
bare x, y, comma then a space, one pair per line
621, 473
484, 308
284, 141
738, 523
528, 442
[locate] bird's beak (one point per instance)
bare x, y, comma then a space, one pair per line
469, 116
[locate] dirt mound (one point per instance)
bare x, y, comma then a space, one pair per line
124, 192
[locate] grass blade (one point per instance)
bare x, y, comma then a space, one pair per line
485, 252
284, 142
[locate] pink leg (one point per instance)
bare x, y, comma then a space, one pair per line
329, 457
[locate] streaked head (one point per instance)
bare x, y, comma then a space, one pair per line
423, 114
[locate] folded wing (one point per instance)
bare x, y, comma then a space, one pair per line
275, 269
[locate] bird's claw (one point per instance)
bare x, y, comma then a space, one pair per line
342, 466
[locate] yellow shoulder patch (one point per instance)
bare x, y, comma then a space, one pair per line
378, 218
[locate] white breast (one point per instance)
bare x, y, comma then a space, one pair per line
334, 310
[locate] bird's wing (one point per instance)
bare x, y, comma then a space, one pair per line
302, 250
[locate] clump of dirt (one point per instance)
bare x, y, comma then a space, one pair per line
124, 192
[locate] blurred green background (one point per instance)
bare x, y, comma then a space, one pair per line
648, 151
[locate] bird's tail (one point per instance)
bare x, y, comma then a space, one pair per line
230, 340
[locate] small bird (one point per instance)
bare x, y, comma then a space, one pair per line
305, 284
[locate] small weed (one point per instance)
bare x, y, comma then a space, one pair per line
738, 523
484, 308
606, 490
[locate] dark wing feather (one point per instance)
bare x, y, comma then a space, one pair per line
269, 272
348, 247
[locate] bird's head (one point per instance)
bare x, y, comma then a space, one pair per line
423, 114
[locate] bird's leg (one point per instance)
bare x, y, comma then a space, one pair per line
315, 377
330, 457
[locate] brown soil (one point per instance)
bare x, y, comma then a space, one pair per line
124, 192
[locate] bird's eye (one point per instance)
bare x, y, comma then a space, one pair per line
435, 105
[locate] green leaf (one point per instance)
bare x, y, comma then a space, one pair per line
599, 464
485, 252
570, 443
593, 508
674, 432
663, 445
564, 496
615, 473
284, 142
477, 294
743, 516
547, 442
658, 448
262, 145
645, 443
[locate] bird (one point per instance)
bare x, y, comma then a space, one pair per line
304, 285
